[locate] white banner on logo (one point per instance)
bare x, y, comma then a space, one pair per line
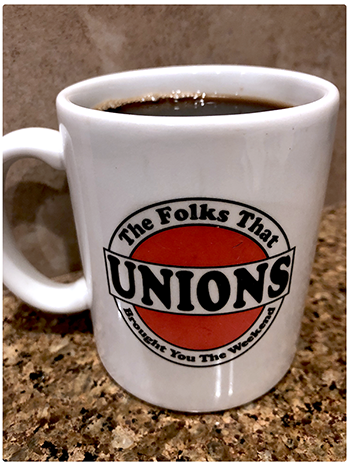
199, 290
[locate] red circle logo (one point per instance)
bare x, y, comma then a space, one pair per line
199, 246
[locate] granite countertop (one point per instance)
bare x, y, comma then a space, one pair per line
60, 404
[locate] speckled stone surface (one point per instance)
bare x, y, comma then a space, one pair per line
60, 404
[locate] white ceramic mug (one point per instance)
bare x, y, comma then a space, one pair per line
197, 234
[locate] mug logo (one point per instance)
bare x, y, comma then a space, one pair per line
199, 281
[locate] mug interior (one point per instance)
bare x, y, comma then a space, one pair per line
274, 85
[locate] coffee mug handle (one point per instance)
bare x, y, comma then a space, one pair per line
18, 274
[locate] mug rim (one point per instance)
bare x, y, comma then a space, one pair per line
329, 95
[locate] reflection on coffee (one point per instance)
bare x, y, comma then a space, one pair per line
190, 106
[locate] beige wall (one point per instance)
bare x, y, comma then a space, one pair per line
47, 47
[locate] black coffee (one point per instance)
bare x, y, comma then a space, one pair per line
191, 106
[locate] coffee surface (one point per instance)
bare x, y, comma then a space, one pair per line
191, 106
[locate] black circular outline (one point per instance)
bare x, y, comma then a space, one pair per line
236, 203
